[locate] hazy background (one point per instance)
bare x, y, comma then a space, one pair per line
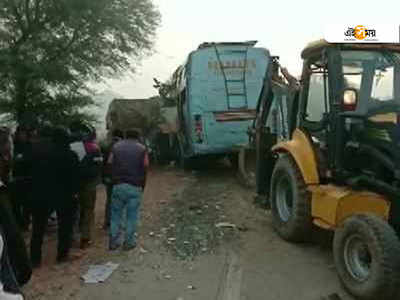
282, 26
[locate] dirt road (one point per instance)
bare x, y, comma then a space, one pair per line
183, 255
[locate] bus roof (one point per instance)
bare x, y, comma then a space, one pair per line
213, 44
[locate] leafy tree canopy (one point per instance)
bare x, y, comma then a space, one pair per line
51, 49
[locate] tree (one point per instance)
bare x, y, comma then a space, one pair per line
169, 90
50, 50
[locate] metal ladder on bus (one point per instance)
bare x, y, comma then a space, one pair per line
230, 82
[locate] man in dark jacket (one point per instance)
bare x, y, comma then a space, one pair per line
15, 268
117, 135
55, 181
129, 162
22, 176
9, 288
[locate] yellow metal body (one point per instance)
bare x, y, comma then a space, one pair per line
300, 148
384, 118
331, 204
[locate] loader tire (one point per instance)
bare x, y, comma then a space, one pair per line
367, 257
290, 201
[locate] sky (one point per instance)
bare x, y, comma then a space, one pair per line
282, 26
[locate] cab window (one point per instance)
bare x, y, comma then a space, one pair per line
315, 108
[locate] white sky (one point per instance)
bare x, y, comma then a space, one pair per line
282, 26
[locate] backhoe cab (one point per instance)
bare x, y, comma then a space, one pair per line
328, 154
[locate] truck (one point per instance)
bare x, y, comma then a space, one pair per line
215, 94
143, 115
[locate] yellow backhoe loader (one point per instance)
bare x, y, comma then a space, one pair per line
328, 155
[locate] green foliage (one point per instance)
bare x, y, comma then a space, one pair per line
50, 50
169, 90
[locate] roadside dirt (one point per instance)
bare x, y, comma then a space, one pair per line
182, 255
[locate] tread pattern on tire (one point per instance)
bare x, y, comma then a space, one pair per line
299, 227
384, 284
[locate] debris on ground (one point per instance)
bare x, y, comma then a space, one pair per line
143, 251
332, 297
99, 273
243, 228
225, 225
191, 220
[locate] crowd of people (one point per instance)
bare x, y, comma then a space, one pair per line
57, 170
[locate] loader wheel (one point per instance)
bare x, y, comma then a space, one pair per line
290, 201
367, 257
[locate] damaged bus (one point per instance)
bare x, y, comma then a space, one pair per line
215, 93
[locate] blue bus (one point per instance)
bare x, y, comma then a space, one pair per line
216, 93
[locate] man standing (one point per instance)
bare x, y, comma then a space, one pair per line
15, 267
7, 273
90, 173
117, 135
129, 162
22, 176
55, 181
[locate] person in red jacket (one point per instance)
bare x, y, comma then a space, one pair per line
90, 176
